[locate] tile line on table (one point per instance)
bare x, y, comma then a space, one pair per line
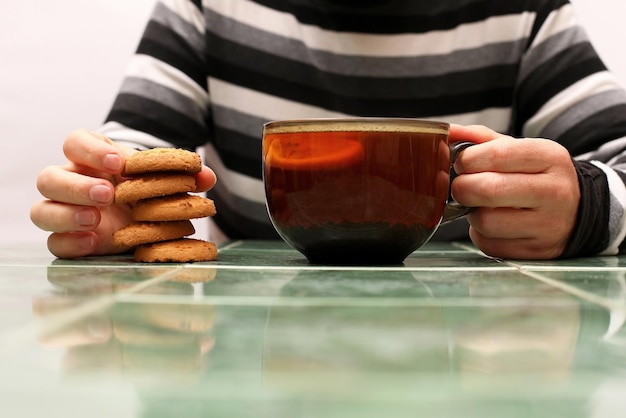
573, 290
353, 268
533, 273
393, 302
11, 342
142, 266
531, 267
231, 245
305, 267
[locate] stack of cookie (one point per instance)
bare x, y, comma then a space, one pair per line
157, 185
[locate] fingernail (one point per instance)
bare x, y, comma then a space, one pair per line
112, 162
85, 217
101, 194
86, 242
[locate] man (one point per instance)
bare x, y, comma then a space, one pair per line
209, 74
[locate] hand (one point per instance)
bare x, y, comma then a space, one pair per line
525, 191
79, 208
124, 339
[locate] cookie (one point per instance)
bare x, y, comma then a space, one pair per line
138, 233
184, 250
153, 185
162, 160
175, 207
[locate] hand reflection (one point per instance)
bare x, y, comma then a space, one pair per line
462, 329
140, 339
522, 342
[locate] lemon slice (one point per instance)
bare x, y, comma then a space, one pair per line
307, 154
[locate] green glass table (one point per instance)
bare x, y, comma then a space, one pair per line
262, 333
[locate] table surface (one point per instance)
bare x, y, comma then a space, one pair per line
262, 333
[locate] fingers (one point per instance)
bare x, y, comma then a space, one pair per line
525, 192
95, 151
80, 244
519, 173
511, 223
527, 216
79, 231
67, 242
519, 233
57, 217
58, 184
87, 179
205, 179
538, 228
509, 155
73, 244
520, 249
510, 190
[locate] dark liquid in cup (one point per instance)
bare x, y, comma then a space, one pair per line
356, 197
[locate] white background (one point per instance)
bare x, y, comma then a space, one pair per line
62, 61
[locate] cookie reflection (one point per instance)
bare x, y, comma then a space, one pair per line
175, 280
163, 339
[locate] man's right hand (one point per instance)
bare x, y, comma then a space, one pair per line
79, 208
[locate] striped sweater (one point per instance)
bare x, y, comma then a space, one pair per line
208, 73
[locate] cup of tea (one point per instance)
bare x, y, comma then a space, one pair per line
358, 191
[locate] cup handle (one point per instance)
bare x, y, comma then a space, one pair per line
454, 210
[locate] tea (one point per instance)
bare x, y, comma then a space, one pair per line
345, 194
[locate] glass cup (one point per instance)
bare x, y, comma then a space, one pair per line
358, 191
